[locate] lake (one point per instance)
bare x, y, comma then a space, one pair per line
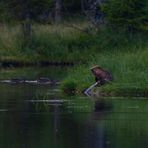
39, 116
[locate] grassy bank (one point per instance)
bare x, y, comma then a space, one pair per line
49, 44
125, 55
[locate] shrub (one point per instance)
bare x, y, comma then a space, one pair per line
69, 87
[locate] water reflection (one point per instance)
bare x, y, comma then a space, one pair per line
39, 116
61, 127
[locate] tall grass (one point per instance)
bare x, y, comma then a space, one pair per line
63, 43
123, 55
8, 40
49, 43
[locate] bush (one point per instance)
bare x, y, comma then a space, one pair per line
69, 87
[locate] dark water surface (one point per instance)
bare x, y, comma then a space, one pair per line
28, 121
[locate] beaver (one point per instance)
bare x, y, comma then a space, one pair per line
101, 76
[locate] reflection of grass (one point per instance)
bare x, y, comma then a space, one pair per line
127, 125
73, 104
129, 105
77, 104
53, 73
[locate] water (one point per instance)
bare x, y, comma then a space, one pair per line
74, 122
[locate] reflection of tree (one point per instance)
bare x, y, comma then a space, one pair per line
56, 123
80, 127
127, 130
79, 130
95, 135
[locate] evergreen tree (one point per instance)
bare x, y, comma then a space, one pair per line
24, 12
127, 14
20, 9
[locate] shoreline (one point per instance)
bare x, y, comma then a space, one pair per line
27, 63
133, 92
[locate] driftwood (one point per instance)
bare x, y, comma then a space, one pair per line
41, 81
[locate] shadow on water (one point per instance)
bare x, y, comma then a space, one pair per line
36, 116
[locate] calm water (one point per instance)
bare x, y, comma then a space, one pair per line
77, 122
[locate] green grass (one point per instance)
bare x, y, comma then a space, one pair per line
128, 69
48, 43
124, 54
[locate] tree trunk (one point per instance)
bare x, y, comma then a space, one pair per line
26, 20
26, 24
27, 28
58, 6
82, 6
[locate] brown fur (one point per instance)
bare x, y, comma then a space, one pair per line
102, 76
